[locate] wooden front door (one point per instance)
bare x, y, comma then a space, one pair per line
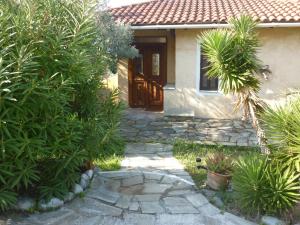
147, 74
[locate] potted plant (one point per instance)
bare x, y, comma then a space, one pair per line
219, 168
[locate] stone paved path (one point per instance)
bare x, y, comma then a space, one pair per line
151, 189
138, 125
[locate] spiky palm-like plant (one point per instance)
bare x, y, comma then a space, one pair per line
232, 57
282, 127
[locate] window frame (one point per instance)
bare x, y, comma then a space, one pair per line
198, 76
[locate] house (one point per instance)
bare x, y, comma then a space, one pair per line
168, 74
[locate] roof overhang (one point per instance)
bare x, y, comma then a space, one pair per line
207, 26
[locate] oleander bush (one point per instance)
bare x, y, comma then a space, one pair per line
55, 118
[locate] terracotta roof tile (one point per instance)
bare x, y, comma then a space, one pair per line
206, 11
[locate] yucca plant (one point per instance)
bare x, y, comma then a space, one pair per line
282, 127
281, 124
282, 192
265, 186
249, 180
232, 57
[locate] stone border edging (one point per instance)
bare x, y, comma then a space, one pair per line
29, 204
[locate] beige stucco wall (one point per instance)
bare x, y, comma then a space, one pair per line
280, 50
123, 80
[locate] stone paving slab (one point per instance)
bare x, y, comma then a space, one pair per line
167, 219
154, 188
182, 209
147, 197
140, 194
197, 200
151, 208
137, 219
51, 218
79, 220
170, 201
124, 201
104, 195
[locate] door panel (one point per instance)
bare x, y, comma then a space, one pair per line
155, 79
139, 93
147, 77
138, 81
155, 95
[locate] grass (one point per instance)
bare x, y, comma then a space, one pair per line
111, 159
109, 163
187, 152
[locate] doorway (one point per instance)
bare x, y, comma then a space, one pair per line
147, 76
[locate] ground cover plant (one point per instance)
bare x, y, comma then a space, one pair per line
187, 152
55, 117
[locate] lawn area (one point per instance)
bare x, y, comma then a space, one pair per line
111, 160
187, 152
109, 163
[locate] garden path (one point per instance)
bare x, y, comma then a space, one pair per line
152, 188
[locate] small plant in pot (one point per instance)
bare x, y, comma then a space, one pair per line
219, 168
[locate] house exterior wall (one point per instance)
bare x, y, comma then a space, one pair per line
123, 80
280, 50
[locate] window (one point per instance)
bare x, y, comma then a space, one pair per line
206, 84
139, 64
155, 64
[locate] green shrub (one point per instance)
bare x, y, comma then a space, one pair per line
282, 127
281, 124
248, 181
52, 58
263, 186
282, 192
102, 136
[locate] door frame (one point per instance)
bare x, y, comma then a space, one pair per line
164, 75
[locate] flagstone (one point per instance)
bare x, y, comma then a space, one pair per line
150, 189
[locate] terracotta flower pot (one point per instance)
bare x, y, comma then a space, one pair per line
217, 181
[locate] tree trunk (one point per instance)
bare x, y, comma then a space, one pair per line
262, 141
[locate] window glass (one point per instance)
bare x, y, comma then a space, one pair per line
155, 64
139, 64
206, 84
